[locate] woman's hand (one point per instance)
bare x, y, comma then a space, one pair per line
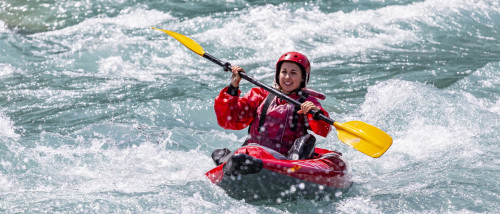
306, 107
235, 78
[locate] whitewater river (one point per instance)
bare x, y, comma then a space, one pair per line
101, 114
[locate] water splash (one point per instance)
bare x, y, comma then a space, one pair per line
7, 128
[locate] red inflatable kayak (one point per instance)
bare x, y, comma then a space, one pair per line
255, 172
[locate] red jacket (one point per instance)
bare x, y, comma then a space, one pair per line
236, 113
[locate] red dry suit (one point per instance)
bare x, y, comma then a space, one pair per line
278, 132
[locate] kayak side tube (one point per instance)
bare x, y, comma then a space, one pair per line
327, 169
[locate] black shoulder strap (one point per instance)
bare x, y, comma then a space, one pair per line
263, 114
295, 119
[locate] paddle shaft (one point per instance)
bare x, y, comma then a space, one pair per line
227, 67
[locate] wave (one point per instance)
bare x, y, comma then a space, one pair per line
7, 128
439, 134
398, 103
482, 86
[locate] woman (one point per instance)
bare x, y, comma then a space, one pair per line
273, 122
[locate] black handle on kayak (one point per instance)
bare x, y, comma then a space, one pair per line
227, 67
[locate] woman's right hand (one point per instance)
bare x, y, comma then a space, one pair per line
235, 77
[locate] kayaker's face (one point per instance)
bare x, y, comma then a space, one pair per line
290, 77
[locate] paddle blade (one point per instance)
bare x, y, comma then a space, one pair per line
186, 41
364, 137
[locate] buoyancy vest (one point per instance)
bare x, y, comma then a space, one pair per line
276, 125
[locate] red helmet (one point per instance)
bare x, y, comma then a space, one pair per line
298, 58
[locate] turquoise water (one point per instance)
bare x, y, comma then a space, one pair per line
99, 113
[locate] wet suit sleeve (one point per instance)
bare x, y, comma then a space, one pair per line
319, 127
233, 91
234, 112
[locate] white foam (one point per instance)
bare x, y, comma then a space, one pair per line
3, 27
496, 107
135, 169
106, 33
128, 19
115, 66
7, 128
7, 69
482, 87
5, 183
271, 30
358, 204
138, 18
422, 141
425, 121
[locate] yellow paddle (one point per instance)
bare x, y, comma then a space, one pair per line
362, 136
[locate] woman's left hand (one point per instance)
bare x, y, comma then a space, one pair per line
306, 107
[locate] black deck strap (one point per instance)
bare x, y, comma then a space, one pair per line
263, 114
